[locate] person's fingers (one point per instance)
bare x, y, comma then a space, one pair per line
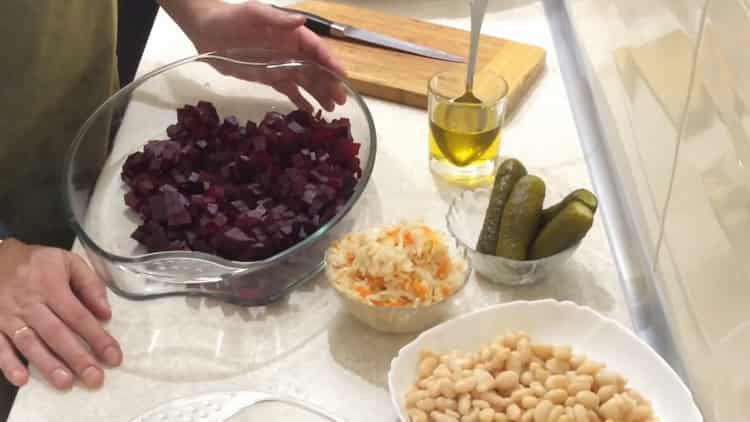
291, 90
312, 47
82, 322
59, 338
87, 285
318, 85
10, 364
263, 14
339, 93
30, 345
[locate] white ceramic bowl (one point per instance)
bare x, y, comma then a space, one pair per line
554, 322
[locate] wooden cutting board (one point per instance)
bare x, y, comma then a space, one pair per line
403, 77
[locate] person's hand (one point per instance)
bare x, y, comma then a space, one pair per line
218, 26
51, 307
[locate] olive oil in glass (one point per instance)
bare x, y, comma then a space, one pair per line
464, 134
464, 138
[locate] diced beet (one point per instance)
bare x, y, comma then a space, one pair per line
132, 201
296, 128
242, 192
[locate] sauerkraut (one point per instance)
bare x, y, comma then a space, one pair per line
403, 265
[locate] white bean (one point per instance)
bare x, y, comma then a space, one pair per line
487, 415
557, 366
640, 413
541, 375
529, 402
426, 382
537, 388
514, 363
513, 412
607, 392
542, 411
638, 397
464, 404
606, 378
471, 417
443, 403
495, 400
565, 418
557, 396
524, 350
480, 404
526, 378
580, 413
510, 341
442, 371
442, 417
433, 388
556, 381
427, 366
544, 351
427, 405
585, 379
593, 416
589, 367
627, 403
497, 362
446, 388
485, 381
506, 381
611, 409
588, 399
451, 412
555, 413
576, 361
577, 387
485, 354
564, 353
413, 397
519, 394
465, 385
501, 417
416, 415
528, 416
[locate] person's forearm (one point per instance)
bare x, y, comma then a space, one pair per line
186, 12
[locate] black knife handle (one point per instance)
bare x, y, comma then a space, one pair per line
315, 23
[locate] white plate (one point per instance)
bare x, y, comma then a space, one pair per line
550, 321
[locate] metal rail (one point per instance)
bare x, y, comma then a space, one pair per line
620, 210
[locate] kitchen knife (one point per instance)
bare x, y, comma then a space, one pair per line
329, 28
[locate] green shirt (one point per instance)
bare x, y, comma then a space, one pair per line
58, 65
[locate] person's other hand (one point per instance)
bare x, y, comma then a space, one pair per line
51, 308
218, 26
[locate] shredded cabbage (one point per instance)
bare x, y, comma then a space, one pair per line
403, 265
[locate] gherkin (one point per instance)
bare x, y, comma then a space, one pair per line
508, 174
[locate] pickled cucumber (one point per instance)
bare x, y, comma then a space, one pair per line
507, 175
521, 218
569, 226
585, 196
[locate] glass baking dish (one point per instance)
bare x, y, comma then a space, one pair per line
93, 190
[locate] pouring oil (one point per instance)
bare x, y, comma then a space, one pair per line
464, 139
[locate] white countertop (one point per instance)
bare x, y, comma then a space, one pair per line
306, 346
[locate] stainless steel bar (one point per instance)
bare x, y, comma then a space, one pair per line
621, 212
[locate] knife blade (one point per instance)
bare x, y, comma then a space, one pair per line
329, 28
